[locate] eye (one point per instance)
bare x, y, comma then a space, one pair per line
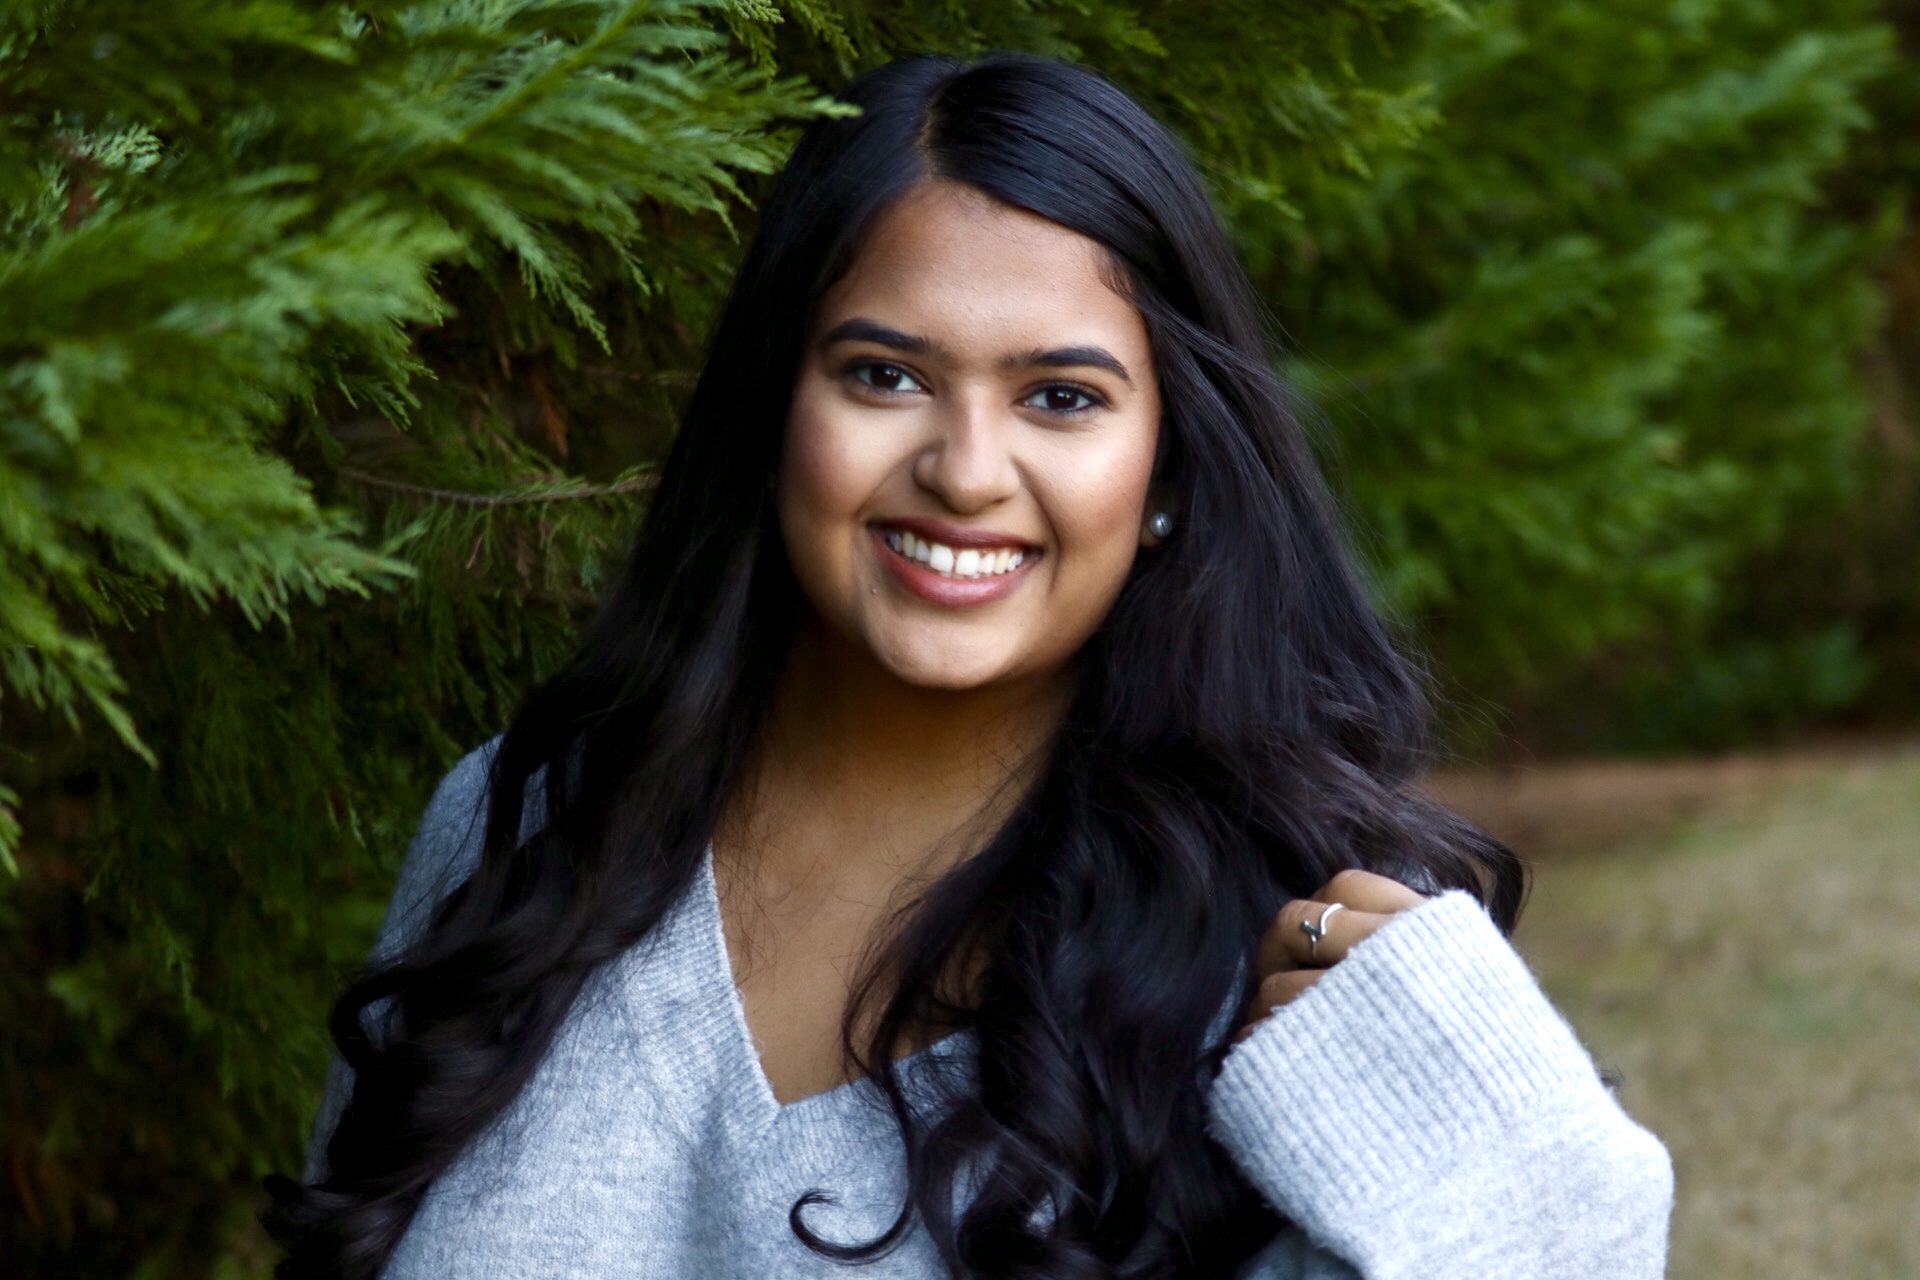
1058, 392
890, 375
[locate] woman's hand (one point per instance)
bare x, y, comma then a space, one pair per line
1290, 960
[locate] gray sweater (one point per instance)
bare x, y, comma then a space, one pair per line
1420, 1111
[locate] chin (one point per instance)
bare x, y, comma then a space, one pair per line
926, 666
937, 676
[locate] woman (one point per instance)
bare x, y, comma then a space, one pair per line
926, 857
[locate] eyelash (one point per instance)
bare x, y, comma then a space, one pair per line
1096, 400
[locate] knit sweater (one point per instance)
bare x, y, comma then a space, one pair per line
1420, 1111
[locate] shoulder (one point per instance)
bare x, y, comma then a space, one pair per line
447, 843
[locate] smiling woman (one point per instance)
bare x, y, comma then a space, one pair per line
926, 408
977, 836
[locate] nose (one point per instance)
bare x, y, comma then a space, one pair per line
969, 465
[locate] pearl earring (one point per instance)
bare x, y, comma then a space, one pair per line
1161, 525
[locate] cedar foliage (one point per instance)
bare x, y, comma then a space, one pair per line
1585, 350
1817, 621
338, 343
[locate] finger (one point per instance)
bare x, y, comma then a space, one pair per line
1368, 891
1286, 945
1275, 990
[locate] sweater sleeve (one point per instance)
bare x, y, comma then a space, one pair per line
1423, 1111
443, 852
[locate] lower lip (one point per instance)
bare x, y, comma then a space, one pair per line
939, 589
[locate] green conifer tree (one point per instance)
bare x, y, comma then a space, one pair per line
1588, 346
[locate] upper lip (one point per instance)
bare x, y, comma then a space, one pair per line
953, 535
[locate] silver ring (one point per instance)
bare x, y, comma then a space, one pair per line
1317, 929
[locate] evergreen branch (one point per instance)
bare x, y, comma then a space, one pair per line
9, 832
669, 377
637, 484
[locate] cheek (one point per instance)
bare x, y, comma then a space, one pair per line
1107, 495
825, 476
1098, 506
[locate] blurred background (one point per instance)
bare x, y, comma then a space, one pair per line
339, 341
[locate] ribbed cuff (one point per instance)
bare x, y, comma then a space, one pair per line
1423, 1047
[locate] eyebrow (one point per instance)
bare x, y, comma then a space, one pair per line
860, 329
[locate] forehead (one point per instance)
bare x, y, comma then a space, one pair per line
947, 259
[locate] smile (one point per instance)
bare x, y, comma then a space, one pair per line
966, 562
953, 576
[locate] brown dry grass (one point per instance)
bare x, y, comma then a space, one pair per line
1741, 939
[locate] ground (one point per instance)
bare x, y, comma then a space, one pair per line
1740, 938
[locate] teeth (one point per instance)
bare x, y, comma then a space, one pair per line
969, 562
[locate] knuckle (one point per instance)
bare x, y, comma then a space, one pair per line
1277, 930
1275, 987
1350, 879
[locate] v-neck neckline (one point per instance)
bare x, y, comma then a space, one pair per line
747, 1054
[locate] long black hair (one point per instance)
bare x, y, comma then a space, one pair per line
1242, 727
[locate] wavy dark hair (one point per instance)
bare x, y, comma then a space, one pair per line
1242, 727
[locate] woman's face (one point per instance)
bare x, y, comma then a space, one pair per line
963, 485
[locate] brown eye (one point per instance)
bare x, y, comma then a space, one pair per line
1060, 398
887, 377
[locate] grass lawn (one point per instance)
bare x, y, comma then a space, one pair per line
1749, 960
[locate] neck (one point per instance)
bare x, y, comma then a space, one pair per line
859, 775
